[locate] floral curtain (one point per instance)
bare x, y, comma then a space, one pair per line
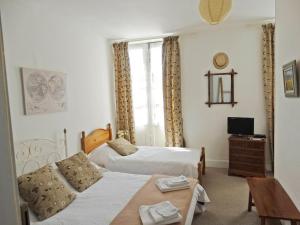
172, 92
268, 77
124, 109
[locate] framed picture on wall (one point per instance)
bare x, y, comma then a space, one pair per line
43, 91
290, 79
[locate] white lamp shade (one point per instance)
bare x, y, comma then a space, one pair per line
214, 11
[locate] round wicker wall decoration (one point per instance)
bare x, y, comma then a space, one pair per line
221, 60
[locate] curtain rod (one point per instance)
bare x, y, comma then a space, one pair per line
144, 39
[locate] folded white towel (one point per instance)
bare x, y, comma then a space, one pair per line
176, 184
166, 209
175, 181
164, 186
150, 216
163, 211
178, 179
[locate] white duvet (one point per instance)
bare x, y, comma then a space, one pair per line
150, 160
101, 203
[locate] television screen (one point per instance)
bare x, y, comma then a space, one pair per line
240, 126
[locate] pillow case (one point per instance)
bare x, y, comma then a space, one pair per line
79, 172
122, 146
63, 179
102, 155
45, 194
32, 216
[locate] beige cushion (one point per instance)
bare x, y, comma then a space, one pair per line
122, 146
45, 193
79, 172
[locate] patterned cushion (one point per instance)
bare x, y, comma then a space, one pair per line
122, 146
45, 193
79, 172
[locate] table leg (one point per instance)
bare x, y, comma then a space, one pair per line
250, 202
262, 221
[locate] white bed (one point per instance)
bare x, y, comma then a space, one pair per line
147, 160
99, 204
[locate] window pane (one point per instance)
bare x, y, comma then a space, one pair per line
139, 84
147, 91
156, 84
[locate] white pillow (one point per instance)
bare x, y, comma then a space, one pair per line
102, 155
102, 169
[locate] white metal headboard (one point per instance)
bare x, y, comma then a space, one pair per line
33, 154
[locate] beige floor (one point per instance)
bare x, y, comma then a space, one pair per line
229, 199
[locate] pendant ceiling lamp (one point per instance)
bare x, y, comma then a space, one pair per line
214, 11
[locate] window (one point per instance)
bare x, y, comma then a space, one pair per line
147, 92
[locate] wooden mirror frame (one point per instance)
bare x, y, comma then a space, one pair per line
209, 75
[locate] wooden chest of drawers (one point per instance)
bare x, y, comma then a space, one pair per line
246, 156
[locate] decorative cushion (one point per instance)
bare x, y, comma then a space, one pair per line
45, 193
122, 146
79, 172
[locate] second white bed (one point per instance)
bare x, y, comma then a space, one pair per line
150, 160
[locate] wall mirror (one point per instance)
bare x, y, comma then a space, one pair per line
221, 88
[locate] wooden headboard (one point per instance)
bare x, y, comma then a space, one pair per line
95, 139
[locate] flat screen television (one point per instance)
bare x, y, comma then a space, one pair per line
240, 126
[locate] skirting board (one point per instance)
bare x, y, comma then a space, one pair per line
225, 164
217, 163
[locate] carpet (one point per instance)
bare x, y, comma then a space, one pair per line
229, 201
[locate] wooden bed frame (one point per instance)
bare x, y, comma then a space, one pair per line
100, 136
95, 139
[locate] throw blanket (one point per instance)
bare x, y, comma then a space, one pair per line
149, 194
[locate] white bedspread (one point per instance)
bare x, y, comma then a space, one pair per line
150, 160
101, 203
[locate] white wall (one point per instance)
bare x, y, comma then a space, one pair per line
204, 126
38, 37
9, 210
287, 110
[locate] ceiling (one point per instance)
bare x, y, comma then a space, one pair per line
118, 19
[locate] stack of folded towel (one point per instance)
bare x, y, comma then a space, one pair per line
172, 183
159, 214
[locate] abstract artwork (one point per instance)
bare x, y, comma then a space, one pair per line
43, 91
